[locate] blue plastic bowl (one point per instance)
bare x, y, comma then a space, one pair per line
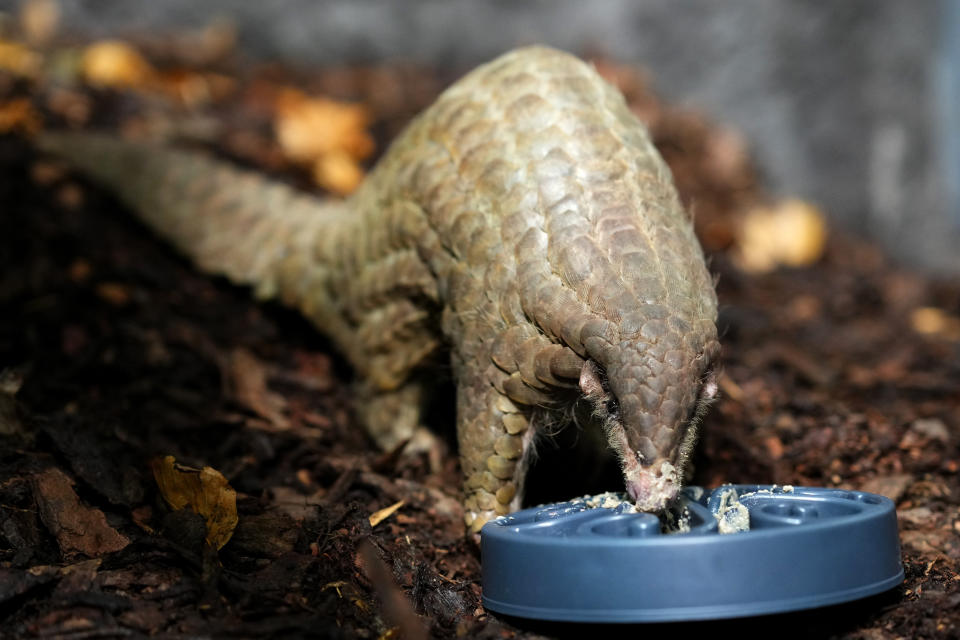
806, 548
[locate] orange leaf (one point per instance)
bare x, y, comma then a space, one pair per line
792, 233
337, 172
204, 491
19, 115
307, 128
112, 63
18, 59
933, 321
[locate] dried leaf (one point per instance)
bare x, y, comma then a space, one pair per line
329, 136
307, 128
932, 321
337, 172
792, 233
205, 491
112, 63
19, 115
248, 378
379, 516
77, 527
18, 59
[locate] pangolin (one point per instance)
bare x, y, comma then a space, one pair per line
524, 223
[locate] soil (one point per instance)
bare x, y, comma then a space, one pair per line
843, 373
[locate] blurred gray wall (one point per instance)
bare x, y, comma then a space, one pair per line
854, 105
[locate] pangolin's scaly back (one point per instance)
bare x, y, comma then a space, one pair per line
551, 219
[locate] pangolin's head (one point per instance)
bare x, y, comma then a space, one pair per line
651, 348
649, 392
650, 409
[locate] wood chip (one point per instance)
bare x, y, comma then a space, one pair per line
77, 527
379, 516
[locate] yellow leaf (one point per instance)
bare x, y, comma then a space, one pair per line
379, 516
932, 321
328, 136
18, 59
308, 128
791, 233
112, 63
204, 491
337, 172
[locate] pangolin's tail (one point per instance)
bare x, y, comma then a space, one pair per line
227, 220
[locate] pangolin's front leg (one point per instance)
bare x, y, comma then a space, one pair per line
498, 410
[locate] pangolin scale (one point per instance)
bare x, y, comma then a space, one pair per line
524, 223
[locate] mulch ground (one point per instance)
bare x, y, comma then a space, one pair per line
844, 373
